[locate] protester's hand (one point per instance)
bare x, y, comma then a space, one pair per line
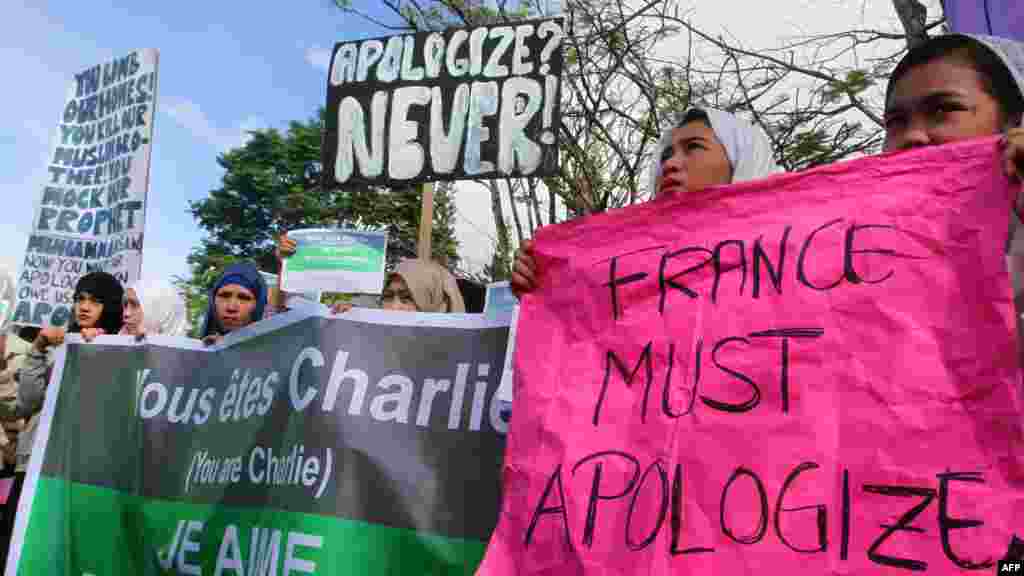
90, 334
285, 246
1013, 153
49, 336
340, 307
212, 339
524, 272
9, 451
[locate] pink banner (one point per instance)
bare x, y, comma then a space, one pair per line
811, 374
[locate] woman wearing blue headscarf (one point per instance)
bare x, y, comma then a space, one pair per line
237, 299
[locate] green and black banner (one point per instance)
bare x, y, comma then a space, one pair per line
308, 445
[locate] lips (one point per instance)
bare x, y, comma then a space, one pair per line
671, 185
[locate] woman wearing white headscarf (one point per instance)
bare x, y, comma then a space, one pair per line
703, 147
153, 308
746, 147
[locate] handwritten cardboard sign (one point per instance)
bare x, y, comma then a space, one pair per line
90, 213
812, 374
465, 103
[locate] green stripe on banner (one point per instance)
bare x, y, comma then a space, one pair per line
356, 258
77, 529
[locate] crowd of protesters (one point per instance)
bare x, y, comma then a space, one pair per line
950, 88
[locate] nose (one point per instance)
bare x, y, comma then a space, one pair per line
675, 163
916, 134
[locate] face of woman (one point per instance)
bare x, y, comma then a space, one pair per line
696, 160
941, 101
132, 312
87, 310
397, 296
234, 306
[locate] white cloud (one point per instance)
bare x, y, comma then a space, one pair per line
319, 58
189, 116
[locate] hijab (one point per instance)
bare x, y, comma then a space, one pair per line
163, 309
433, 288
106, 289
245, 275
748, 148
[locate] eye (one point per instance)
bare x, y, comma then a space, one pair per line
941, 109
695, 146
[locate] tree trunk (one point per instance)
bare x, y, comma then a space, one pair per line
552, 214
531, 184
515, 211
501, 258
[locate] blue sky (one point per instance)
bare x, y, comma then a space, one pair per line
225, 67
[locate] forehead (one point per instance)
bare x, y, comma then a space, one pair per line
85, 294
947, 74
691, 130
235, 289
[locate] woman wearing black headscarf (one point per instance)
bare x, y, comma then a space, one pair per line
97, 310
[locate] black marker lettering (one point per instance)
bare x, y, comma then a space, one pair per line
822, 513
785, 334
554, 481
612, 359
595, 493
666, 404
850, 272
844, 548
717, 260
662, 511
664, 283
801, 273
774, 274
903, 524
676, 520
747, 406
947, 524
614, 282
762, 525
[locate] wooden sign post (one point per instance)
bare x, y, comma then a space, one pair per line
426, 221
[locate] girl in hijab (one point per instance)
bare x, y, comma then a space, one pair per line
154, 308
97, 310
421, 286
417, 286
237, 299
704, 147
957, 87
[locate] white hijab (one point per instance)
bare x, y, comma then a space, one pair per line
163, 309
747, 146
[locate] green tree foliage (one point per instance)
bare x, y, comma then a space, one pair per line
272, 185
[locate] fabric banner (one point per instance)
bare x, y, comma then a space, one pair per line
814, 373
304, 445
336, 260
992, 17
463, 103
91, 209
